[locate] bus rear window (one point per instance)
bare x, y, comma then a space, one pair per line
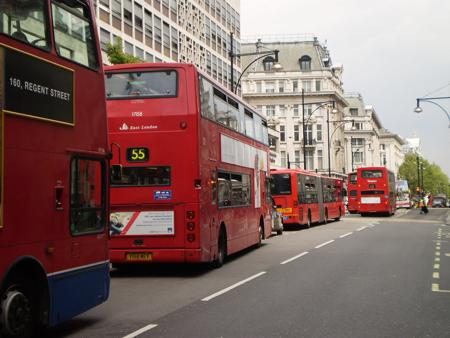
281, 184
141, 84
372, 174
353, 178
372, 192
142, 177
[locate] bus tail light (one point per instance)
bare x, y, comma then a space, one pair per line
190, 238
190, 214
190, 226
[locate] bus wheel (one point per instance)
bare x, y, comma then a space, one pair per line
260, 236
308, 222
340, 215
222, 250
18, 309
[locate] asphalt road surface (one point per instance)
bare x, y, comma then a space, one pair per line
359, 277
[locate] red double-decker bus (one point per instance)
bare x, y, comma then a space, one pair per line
352, 193
304, 197
53, 165
189, 167
376, 191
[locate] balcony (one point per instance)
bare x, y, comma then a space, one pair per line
310, 143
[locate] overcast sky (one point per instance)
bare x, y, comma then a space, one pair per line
393, 51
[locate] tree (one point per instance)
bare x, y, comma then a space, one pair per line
116, 55
434, 179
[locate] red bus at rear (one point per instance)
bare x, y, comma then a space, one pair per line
352, 193
376, 191
190, 162
304, 197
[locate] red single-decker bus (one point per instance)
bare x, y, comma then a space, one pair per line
376, 191
190, 162
304, 197
53, 165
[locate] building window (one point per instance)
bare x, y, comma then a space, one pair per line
357, 142
319, 132
270, 87
270, 110
281, 87
358, 125
307, 85
283, 158
354, 111
358, 156
319, 159
305, 63
295, 86
318, 85
308, 134
309, 159
296, 133
295, 109
258, 87
282, 109
308, 110
282, 133
268, 63
297, 158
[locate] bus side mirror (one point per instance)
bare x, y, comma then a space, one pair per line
116, 172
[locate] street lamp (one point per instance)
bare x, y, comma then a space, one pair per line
418, 109
232, 55
340, 123
321, 104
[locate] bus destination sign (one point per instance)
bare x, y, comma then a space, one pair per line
36, 88
138, 154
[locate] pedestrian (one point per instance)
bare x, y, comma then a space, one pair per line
425, 204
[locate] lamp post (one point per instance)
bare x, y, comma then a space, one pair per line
263, 54
418, 109
341, 122
321, 104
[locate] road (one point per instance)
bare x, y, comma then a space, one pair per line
359, 277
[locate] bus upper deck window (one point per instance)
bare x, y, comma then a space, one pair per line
25, 21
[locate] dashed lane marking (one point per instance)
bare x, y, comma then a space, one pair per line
323, 244
294, 258
221, 292
140, 331
435, 288
361, 229
436, 275
436, 266
345, 235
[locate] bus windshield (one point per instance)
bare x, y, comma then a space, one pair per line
281, 184
141, 84
372, 173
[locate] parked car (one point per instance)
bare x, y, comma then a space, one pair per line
439, 202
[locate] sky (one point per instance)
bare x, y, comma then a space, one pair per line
392, 51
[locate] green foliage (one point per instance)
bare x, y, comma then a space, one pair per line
116, 55
434, 179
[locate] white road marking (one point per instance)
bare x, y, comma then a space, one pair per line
436, 266
436, 275
435, 288
437, 253
323, 244
221, 292
140, 331
362, 228
437, 259
345, 235
294, 258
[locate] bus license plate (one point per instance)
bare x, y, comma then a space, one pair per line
285, 210
138, 256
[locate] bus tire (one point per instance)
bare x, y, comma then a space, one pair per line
340, 215
260, 236
308, 221
19, 307
221, 249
